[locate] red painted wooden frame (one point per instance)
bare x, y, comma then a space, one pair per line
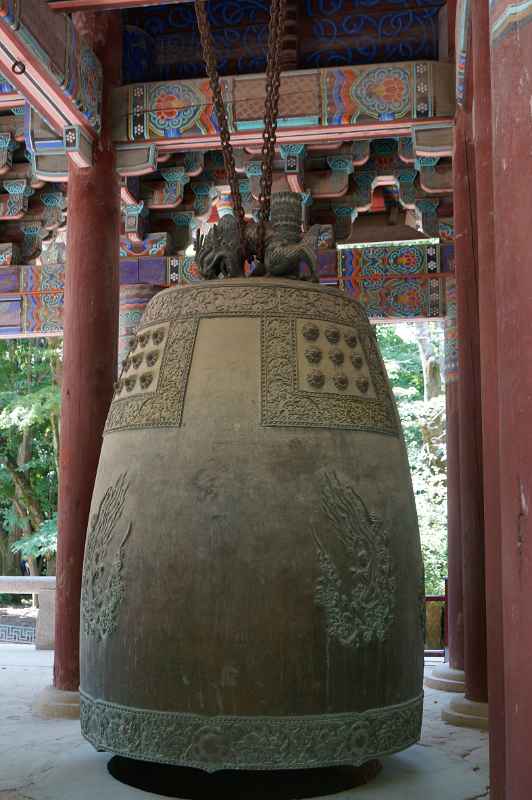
36, 85
301, 135
107, 5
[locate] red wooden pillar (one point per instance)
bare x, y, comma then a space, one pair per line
450, 677
455, 608
487, 303
471, 501
90, 352
511, 82
451, 23
455, 605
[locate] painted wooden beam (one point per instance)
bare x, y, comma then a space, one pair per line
314, 106
32, 297
310, 135
9, 97
107, 5
51, 65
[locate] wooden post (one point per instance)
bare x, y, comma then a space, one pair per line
470, 427
455, 594
450, 677
511, 89
487, 304
455, 607
90, 353
451, 24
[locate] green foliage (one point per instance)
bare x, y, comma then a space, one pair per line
402, 361
424, 431
29, 414
39, 544
13, 600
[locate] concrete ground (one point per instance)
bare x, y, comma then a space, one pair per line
49, 760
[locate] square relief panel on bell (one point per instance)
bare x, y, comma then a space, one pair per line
142, 366
331, 360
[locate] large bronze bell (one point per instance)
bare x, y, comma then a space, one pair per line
253, 586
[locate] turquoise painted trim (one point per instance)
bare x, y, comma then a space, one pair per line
514, 16
50, 147
398, 243
283, 122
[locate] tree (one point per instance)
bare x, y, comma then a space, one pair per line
413, 354
29, 446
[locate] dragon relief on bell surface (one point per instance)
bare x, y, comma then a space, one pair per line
223, 251
357, 584
103, 588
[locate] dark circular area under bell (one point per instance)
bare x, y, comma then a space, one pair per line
195, 784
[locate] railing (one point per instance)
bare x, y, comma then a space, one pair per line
436, 628
45, 588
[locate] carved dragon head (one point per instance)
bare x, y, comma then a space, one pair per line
220, 252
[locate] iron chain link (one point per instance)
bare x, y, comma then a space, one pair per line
271, 111
273, 85
221, 112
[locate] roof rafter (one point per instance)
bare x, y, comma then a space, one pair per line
48, 64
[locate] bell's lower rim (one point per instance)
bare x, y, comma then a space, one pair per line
230, 742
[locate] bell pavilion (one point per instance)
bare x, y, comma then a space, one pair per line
404, 127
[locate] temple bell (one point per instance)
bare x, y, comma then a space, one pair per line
253, 590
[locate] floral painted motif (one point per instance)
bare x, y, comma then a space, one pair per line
387, 260
179, 107
395, 280
188, 270
42, 312
167, 107
384, 91
398, 298
390, 90
175, 107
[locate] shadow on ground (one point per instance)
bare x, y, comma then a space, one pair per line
194, 784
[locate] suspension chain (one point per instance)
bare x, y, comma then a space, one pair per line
273, 84
221, 112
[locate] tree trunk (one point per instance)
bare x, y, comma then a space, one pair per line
24, 454
429, 361
19, 501
25, 498
26, 505
432, 421
8, 560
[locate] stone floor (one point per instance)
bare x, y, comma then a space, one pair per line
49, 760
